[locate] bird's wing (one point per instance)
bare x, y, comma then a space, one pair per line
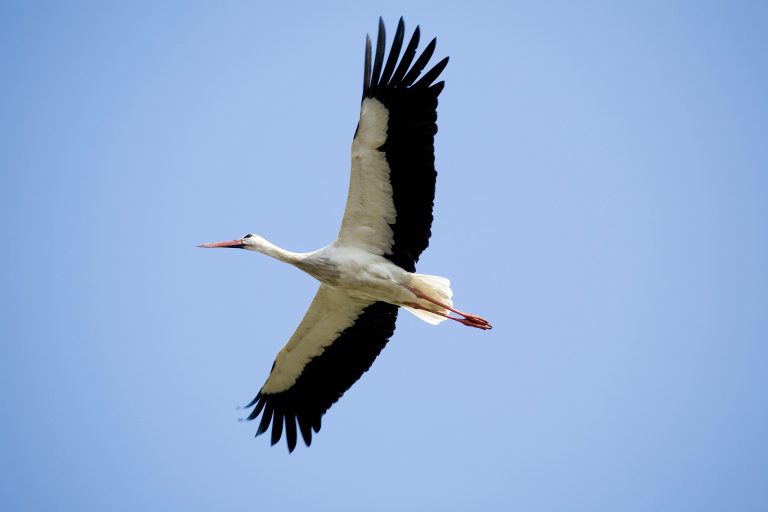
335, 343
392, 183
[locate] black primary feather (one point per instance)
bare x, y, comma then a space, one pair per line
381, 44
394, 53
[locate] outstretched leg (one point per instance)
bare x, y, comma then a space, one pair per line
469, 321
468, 318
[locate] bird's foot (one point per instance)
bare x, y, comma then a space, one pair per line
474, 321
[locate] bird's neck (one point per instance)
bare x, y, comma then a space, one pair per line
270, 249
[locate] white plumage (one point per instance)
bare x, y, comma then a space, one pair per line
370, 210
369, 270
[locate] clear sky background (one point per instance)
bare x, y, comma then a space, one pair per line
602, 198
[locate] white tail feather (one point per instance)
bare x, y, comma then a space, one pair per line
437, 288
428, 317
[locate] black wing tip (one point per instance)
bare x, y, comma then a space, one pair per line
290, 432
306, 429
431, 75
403, 75
274, 417
277, 428
394, 53
378, 59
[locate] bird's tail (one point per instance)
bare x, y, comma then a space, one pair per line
437, 288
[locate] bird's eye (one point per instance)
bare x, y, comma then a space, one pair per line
249, 235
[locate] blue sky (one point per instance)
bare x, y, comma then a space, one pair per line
601, 198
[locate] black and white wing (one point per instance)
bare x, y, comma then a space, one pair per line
389, 213
392, 183
335, 343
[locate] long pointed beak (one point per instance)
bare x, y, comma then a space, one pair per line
234, 244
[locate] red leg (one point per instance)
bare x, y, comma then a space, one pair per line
474, 320
469, 321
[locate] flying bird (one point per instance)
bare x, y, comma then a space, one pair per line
368, 272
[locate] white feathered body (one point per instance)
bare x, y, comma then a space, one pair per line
367, 276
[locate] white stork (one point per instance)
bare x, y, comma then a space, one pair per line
368, 272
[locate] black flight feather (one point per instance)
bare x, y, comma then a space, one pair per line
408, 55
277, 426
432, 74
265, 419
259, 406
367, 66
290, 431
421, 62
394, 53
381, 43
306, 429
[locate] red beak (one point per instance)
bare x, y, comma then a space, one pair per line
235, 244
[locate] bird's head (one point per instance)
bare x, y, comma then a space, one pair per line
249, 241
